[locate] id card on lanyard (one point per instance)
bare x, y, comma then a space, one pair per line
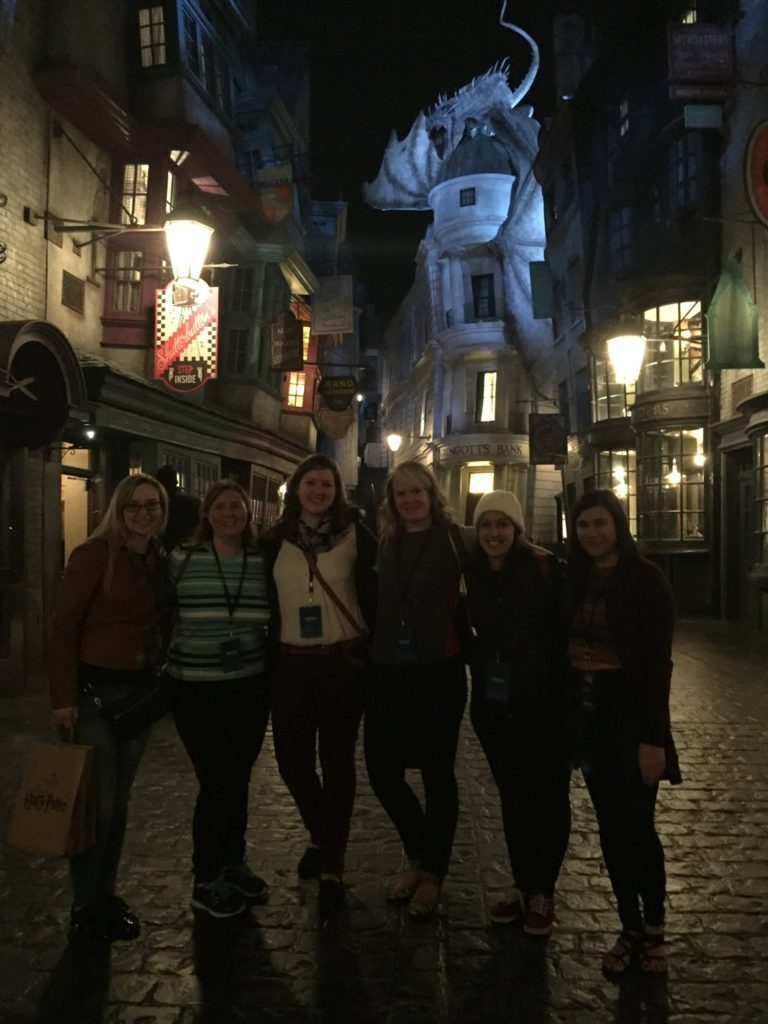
311, 614
231, 649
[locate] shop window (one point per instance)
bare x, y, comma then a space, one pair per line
684, 165
306, 330
671, 485
617, 471
151, 36
673, 353
761, 491
295, 393
240, 290
134, 194
485, 397
205, 474
236, 353
610, 400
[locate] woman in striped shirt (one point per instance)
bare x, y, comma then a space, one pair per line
217, 667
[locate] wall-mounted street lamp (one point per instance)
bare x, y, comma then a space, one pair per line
188, 233
626, 352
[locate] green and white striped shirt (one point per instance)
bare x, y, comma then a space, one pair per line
203, 620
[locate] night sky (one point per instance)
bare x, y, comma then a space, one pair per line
374, 67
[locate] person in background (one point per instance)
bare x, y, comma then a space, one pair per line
219, 691
415, 702
183, 509
321, 658
103, 643
620, 644
519, 702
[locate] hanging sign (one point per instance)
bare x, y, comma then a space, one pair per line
186, 340
275, 202
338, 392
335, 424
332, 306
732, 328
548, 439
286, 343
756, 168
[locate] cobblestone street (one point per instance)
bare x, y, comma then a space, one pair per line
371, 963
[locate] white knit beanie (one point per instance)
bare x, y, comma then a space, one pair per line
500, 501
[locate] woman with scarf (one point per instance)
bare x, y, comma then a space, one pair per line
320, 564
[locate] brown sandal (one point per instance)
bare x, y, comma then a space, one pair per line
619, 958
403, 889
653, 956
426, 899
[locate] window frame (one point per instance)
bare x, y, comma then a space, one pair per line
486, 394
152, 44
656, 493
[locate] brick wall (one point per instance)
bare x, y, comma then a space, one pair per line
23, 170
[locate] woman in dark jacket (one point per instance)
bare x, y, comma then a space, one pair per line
320, 656
416, 700
620, 643
518, 704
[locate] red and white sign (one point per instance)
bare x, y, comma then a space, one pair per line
186, 340
756, 168
275, 202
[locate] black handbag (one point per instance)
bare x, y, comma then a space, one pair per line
133, 714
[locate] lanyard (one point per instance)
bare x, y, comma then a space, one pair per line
403, 585
231, 606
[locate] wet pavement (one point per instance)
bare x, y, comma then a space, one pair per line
370, 963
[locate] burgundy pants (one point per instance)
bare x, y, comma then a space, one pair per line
317, 703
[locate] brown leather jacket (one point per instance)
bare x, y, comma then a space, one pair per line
112, 629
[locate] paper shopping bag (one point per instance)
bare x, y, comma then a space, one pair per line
54, 814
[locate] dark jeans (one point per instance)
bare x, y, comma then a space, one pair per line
222, 725
528, 758
94, 871
623, 804
317, 702
417, 709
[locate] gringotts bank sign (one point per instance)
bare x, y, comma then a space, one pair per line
186, 340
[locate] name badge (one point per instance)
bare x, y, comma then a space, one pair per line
405, 645
497, 681
310, 621
231, 654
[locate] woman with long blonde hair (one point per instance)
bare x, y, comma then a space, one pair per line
415, 703
104, 641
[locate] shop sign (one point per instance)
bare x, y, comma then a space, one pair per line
756, 168
332, 306
335, 424
338, 392
496, 448
732, 330
275, 202
548, 439
186, 340
286, 343
701, 61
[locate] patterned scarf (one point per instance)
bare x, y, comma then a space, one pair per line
318, 540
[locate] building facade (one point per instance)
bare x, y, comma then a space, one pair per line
464, 359
108, 119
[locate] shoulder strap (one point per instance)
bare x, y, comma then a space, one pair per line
312, 563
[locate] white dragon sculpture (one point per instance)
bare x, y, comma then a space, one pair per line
410, 169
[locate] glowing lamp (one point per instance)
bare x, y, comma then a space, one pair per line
626, 352
394, 441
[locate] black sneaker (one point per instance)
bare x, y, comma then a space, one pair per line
217, 899
309, 865
330, 896
122, 924
88, 927
242, 880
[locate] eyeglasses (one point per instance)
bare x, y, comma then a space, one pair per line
134, 507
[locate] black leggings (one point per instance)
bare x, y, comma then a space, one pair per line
222, 726
414, 712
623, 804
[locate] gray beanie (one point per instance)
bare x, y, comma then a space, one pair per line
500, 501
